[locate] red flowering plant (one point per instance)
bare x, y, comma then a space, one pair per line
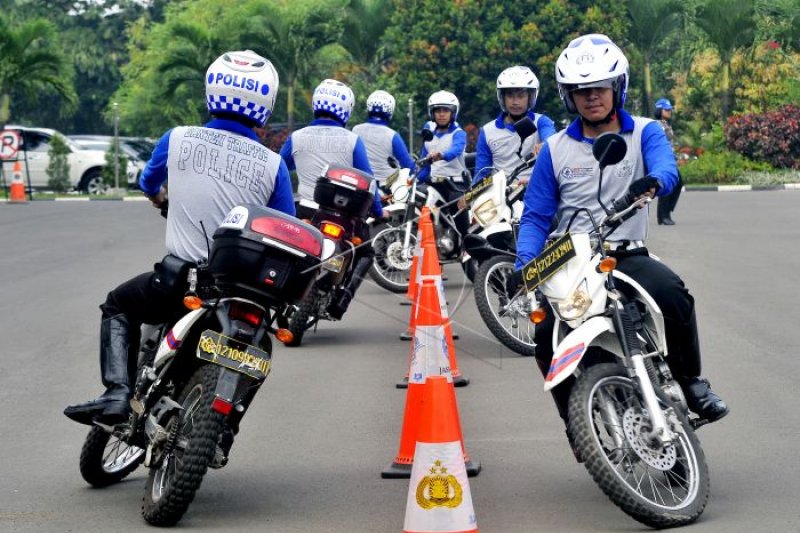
773, 136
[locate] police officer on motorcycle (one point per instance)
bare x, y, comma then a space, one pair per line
592, 76
381, 140
210, 170
498, 142
326, 142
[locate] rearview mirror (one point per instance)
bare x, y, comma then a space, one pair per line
524, 128
426, 134
609, 149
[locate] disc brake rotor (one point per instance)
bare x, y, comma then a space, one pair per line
636, 426
396, 258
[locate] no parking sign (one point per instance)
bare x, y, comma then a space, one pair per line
9, 145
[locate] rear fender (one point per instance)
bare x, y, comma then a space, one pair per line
172, 341
570, 350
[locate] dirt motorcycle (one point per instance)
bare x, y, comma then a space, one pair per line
394, 246
628, 418
343, 198
196, 377
492, 242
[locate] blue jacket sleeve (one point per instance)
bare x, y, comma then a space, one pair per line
423, 175
545, 126
155, 172
282, 198
540, 205
457, 147
483, 158
401, 152
377, 206
286, 153
659, 160
360, 159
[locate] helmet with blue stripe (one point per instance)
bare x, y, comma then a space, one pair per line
335, 98
242, 84
380, 103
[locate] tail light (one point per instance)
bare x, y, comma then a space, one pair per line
329, 229
246, 313
288, 233
221, 406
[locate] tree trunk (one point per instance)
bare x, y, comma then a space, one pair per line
290, 106
648, 89
5, 108
725, 88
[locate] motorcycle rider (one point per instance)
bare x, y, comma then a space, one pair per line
446, 153
210, 170
380, 139
498, 143
326, 142
592, 76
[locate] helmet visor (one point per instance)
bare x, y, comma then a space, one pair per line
602, 84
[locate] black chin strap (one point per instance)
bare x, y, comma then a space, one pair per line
601, 122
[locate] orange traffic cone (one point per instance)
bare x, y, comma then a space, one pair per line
424, 232
16, 192
429, 357
439, 497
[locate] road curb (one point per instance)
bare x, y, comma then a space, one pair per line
742, 188
84, 199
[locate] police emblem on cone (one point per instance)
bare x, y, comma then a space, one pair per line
439, 497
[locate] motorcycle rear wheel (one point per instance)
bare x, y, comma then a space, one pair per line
171, 486
391, 268
303, 318
660, 486
506, 320
106, 460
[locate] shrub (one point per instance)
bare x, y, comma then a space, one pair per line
719, 168
773, 137
58, 166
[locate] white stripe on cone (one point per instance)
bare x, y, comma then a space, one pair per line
439, 498
430, 356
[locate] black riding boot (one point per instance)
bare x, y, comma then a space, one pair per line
337, 308
112, 406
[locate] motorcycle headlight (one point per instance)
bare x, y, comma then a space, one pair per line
486, 212
576, 304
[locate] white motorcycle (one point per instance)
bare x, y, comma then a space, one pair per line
627, 416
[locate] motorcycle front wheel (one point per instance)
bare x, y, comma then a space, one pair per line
106, 460
391, 268
659, 485
190, 447
507, 319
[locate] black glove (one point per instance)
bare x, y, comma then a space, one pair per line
514, 282
641, 186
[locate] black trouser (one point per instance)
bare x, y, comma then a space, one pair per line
676, 304
667, 203
450, 191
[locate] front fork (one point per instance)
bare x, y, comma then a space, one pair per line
660, 431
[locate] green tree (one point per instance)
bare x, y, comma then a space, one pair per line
115, 158
295, 33
652, 21
58, 166
31, 61
729, 26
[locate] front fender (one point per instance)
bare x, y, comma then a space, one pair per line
570, 351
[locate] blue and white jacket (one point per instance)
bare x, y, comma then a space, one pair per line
382, 142
451, 144
566, 176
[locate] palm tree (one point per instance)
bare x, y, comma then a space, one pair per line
30, 60
651, 22
294, 33
364, 26
729, 26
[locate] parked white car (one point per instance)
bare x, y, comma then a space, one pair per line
85, 164
136, 149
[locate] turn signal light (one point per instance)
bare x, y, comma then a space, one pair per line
356, 240
192, 302
607, 264
284, 335
538, 315
332, 230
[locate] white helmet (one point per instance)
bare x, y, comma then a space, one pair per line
592, 61
242, 83
334, 97
518, 78
380, 103
443, 99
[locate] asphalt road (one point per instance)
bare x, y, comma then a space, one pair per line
311, 449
